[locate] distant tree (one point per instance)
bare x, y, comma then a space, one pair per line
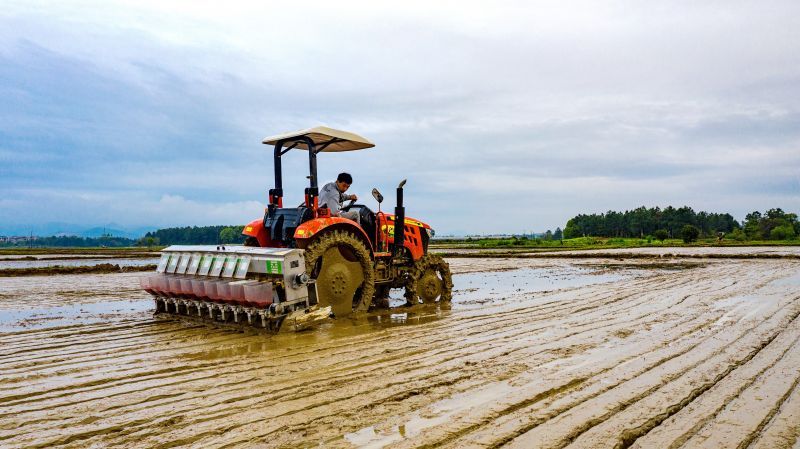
751, 225
690, 233
74, 241
661, 234
228, 235
149, 241
195, 235
571, 231
736, 234
782, 232
548, 235
773, 224
559, 234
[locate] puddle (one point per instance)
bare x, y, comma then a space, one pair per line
436, 414
417, 315
14, 320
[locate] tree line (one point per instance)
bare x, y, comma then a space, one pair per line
188, 235
774, 224
74, 241
195, 235
673, 222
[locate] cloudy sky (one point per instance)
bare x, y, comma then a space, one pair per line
504, 118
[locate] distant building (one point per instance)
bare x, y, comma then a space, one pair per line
15, 239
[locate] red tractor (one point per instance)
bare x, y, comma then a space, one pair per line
352, 266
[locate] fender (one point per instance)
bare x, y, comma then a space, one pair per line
256, 229
305, 231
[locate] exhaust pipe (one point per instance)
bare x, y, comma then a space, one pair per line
399, 222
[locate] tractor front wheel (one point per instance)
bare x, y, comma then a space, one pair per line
429, 281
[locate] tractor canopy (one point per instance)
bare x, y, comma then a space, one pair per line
325, 139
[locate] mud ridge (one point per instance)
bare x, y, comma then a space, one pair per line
83, 269
629, 437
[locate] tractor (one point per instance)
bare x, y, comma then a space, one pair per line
296, 260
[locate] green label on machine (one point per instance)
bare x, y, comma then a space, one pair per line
274, 267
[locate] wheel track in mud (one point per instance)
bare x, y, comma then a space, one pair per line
727, 389
794, 302
490, 340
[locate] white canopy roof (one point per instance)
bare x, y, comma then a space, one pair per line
335, 139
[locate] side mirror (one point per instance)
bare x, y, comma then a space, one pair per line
377, 195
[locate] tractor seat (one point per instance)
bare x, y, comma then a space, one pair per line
367, 218
284, 221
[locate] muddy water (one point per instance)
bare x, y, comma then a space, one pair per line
532, 353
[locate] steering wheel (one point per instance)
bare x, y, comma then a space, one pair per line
349, 205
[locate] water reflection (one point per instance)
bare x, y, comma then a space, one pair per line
90, 313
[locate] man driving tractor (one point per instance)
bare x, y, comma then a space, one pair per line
332, 196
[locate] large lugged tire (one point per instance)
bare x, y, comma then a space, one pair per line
429, 281
342, 268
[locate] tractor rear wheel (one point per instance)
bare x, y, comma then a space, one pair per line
340, 264
429, 281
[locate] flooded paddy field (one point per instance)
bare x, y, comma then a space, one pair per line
590, 352
60, 264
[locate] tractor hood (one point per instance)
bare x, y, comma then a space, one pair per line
410, 221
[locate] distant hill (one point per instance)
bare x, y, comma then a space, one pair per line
101, 231
70, 229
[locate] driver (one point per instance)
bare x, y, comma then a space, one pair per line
332, 196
